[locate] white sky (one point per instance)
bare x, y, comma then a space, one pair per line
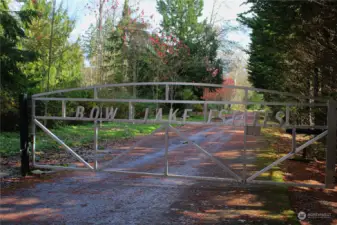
227, 10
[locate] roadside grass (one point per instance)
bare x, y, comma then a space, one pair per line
74, 135
269, 154
196, 118
277, 200
9, 143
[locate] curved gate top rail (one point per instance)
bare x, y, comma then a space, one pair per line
167, 84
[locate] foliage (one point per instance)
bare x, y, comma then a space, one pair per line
293, 49
134, 51
255, 97
25, 41
9, 144
223, 94
67, 59
13, 53
180, 18
121, 47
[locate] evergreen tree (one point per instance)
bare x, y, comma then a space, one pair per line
180, 17
293, 48
66, 58
13, 79
292, 44
12, 35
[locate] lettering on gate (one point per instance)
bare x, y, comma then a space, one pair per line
109, 114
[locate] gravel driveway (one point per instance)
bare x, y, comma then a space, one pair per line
104, 198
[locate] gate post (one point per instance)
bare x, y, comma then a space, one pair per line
331, 145
24, 134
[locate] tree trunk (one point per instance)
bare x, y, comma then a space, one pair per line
99, 41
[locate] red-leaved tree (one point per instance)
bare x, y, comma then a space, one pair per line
219, 94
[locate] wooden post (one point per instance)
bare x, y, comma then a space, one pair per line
331, 145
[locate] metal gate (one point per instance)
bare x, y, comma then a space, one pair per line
250, 128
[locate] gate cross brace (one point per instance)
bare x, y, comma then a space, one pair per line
298, 149
47, 131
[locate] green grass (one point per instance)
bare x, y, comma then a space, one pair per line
277, 200
267, 155
74, 135
196, 118
9, 143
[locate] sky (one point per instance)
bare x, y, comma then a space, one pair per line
227, 10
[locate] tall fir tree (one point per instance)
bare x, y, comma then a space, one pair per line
66, 57
180, 17
13, 55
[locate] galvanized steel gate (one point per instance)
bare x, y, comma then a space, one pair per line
329, 129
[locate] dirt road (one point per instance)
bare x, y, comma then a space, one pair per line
103, 198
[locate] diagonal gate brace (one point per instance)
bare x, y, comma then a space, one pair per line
297, 150
47, 131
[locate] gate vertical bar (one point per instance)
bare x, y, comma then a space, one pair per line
101, 115
64, 108
95, 93
131, 115
245, 138
96, 97
96, 131
233, 119
33, 132
167, 92
166, 149
205, 112
96, 145
24, 135
331, 145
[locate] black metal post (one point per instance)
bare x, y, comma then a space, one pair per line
24, 139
